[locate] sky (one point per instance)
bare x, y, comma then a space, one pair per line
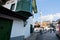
50, 10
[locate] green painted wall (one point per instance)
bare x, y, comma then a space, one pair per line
34, 6
24, 5
5, 29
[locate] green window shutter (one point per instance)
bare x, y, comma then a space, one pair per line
34, 6
24, 5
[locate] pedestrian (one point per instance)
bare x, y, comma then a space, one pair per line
50, 30
54, 30
40, 30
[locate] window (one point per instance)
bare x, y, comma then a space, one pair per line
12, 6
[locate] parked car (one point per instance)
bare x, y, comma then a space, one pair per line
57, 33
36, 29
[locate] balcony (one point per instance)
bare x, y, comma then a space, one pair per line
24, 8
20, 14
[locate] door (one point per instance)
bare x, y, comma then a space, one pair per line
5, 28
31, 29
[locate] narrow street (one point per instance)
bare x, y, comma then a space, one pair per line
47, 36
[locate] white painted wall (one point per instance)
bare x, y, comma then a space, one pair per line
18, 25
27, 30
17, 28
9, 3
8, 6
27, 27
30, 20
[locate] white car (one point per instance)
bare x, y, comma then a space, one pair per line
36, 29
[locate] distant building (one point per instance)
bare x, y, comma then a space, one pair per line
44, 23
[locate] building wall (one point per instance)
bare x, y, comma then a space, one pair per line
17, 31
18, 28
9, 3
27, 27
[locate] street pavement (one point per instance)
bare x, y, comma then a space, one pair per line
47, 36
32, 36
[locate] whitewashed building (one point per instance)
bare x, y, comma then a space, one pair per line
16, 23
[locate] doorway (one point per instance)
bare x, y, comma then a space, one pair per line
5, 28
31, 28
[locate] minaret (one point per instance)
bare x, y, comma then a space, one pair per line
40, 18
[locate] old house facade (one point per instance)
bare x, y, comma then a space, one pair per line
15, 19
